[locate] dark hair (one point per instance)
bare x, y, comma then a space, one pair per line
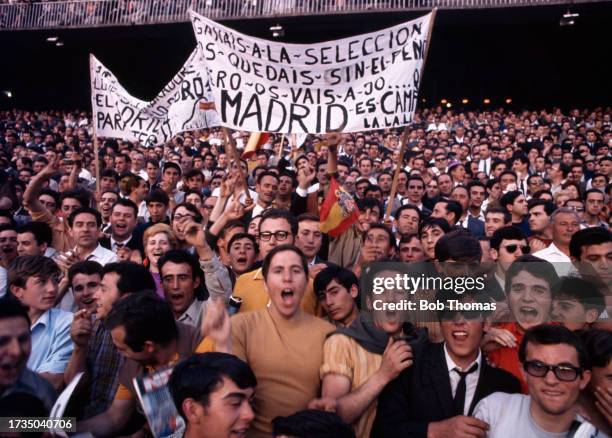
452, 207
239, 236
85, 210
192, 208
157, 195
598, 343
509, 198
40, 230
82, 196
535, 266
87, 267
405, 207
266, 173
386, 229
110, 173
549, 207
506, 233
345, 277
308, 217
11, 307
230, 225
275, 213
588, 192
312, 423
265, 267
547, 334
498, 210
26, 266
202, 374
133, 277
583, 291
539, 193
180, 257
587, 237
51, 193
125, 202
433, 222
145, 317
365, 203
459, 246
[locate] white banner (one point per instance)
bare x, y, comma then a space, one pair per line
184, 104
365, 82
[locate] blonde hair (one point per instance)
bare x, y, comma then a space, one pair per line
160, 228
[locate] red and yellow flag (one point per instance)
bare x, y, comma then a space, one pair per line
256, 141
338, 211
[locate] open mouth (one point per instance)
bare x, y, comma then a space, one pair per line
240, 432
529, 312
241, 260
88, 301
287, 295
460, 335
552, 393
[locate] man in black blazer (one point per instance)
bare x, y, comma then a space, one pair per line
123, 221
432, 398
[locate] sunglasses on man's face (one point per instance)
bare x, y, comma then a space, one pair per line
468, 315
525, 249
565, 373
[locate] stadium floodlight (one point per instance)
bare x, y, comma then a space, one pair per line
8, 93
277, 31
443, 101
568, 19
487, 101
508, 101
52, 39
448, 104
465, 101
59, 44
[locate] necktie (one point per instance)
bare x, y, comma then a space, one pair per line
459, 400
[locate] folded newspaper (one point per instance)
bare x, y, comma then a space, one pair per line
154, 395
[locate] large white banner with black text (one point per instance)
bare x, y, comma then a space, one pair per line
184, 104
369, 81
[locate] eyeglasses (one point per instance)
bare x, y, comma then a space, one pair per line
525, 249
565, 373
279, 236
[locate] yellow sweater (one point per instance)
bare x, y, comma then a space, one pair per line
250, 288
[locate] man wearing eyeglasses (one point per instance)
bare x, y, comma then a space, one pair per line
555, 366
277, 227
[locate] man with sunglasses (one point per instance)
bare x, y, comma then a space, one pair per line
507, 245
436, 397
555, 366
277, 227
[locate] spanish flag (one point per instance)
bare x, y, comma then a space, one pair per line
338, 211
256, 141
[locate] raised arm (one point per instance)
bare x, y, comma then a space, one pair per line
30, 197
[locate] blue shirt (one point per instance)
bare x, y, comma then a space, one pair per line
51, 343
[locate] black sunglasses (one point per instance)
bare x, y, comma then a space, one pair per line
525, 249
565, 373
468, 315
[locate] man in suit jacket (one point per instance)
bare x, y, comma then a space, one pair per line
437, 395
123, 221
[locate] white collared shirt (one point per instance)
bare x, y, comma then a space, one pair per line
562, 263
471, 380
102, 255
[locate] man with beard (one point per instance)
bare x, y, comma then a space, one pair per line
436, 397
528, 288
15, 348
555, 365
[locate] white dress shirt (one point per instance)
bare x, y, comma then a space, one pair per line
102, 255
562, 263
471, 380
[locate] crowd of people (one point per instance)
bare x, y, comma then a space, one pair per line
186, 255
